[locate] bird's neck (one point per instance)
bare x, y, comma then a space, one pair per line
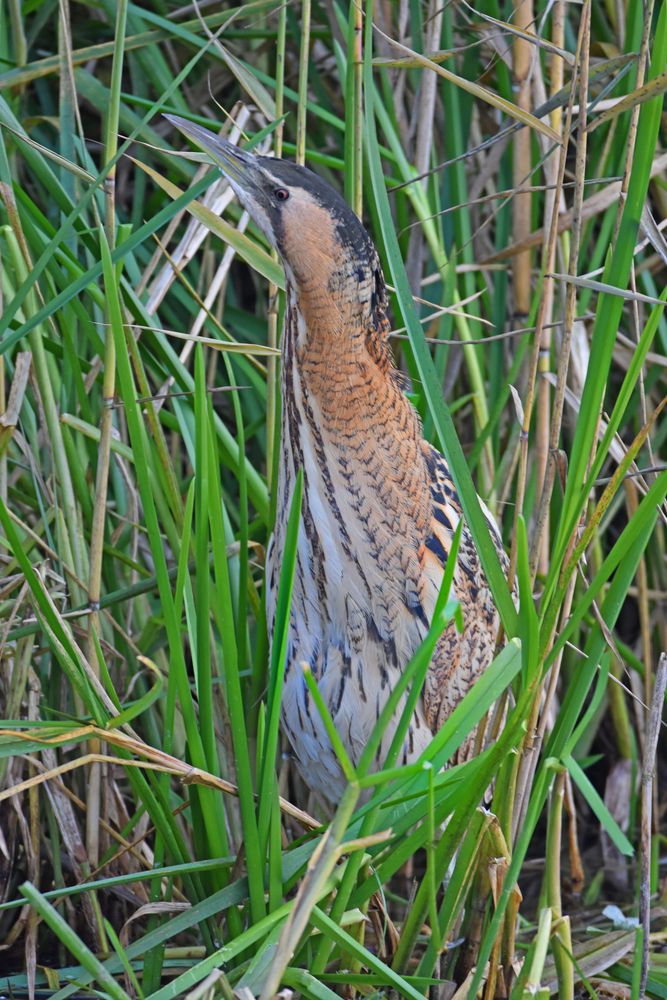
344, 411
335, 354
335, 335
339, 308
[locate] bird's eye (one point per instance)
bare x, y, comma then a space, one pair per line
281, 194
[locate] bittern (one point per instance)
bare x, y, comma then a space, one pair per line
379, 506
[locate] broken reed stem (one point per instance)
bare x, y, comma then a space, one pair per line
577, 876
320, 867
502, 953
648, 776
583, 52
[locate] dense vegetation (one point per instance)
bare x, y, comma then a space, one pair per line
509, 162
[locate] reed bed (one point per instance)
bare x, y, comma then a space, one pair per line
509, 161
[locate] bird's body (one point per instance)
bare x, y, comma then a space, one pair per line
378, 515
379, 506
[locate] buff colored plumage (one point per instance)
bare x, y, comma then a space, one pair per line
379, 508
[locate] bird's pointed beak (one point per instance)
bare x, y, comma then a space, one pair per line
239, 167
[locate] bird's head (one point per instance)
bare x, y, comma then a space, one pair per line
320, 240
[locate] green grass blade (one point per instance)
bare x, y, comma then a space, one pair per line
73, 943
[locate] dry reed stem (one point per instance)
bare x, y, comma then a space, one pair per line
632, 501
155, 760
648, 777
303, 82
522, 61
216, 197
423, 143
570, 296
543, 387
597, 203
642, 65
62, 800
561, 925
577, 876
549, 258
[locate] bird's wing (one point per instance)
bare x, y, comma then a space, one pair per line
459, 659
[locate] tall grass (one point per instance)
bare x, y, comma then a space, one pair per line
509, 164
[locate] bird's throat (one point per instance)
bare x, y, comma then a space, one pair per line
333, 348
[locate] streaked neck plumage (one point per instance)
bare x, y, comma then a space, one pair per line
340, 387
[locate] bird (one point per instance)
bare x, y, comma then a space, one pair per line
379, 506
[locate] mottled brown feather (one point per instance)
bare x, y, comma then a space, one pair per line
379, 513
